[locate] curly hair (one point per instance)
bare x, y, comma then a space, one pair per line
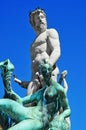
33, 13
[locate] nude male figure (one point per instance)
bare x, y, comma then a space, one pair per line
46, 47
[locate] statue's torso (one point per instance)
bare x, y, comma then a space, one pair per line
51, 101
40, 50
39, 46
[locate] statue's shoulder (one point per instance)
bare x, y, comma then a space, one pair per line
52, 33
58, 87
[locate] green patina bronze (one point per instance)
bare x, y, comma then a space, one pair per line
50, 99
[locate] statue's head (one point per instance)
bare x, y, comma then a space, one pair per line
38, 19
46, 69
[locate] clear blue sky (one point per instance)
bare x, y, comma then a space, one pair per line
16, 36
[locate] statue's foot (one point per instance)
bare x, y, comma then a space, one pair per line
63, 74
6, 66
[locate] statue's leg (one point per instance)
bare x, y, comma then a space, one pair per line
3, 121
13, 109
19, 114
28, 124
57, 124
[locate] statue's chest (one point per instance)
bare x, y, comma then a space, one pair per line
40, 40
50, 94
42, 37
